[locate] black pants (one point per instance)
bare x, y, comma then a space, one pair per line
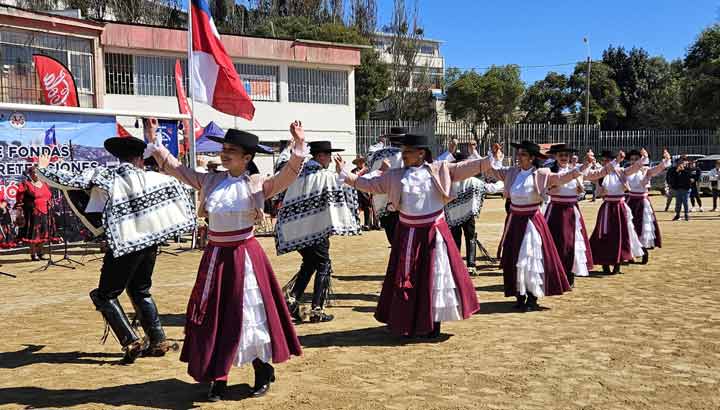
315, 260
468, 228
695, 196
132, 272
715, 195
388, 223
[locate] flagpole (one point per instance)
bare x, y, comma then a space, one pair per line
191, 134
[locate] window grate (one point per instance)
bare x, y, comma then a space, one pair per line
307, 85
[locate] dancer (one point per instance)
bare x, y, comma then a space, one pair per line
35, 196
236, 313
427, 281
460, 213
316, 206
140, 211
644, 221
531, 265
386, 155
565, 220
614, 240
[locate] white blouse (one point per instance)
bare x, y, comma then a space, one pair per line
568, 189
230, 205
636, 182
419, 195
613, 184
522, 191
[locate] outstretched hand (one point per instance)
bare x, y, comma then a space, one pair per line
621, 156
666, 155
43, 161
298, 134
339, 163
150, 127
384, 166
590, 157
497, 152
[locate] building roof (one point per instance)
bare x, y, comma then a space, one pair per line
428, 40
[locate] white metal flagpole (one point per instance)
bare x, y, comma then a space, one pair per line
191, 71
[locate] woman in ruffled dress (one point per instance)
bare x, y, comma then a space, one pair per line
531, 265
614, 239
236, 313
426, 282
644, 221
40, 226
565, 220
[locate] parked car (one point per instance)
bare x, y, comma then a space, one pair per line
706, 164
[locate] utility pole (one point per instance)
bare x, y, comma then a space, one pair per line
587, 82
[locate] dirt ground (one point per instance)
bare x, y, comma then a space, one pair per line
648, 339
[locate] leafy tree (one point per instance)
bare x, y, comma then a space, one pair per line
451, 75
605, 107
491, 98
549, 100
702, 81
372, 80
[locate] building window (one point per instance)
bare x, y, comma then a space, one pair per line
261, 81
18, 79
308, 85
142, 75
427, 49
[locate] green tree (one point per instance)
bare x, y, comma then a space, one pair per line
549, 100
372, 80
605, 107
702, 80
491, 98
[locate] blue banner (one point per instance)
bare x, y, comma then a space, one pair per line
168, 131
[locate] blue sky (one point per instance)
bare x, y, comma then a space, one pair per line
479, 33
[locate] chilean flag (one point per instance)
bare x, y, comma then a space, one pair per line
214, 80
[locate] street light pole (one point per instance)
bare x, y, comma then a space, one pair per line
587, 82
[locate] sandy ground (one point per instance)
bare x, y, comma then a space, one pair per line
649, 339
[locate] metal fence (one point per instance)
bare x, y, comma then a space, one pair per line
579, 136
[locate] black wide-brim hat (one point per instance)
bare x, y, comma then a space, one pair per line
608, 154
634, 152
124, 147
246, 140
558, 148
529, 146
415, 140
460, 156
396, 132
322, 146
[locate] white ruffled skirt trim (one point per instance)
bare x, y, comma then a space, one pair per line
255, 335
530, 267
648, 225
445, 298
580, 261
636, 248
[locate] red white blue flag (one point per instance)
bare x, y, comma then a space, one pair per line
214, 80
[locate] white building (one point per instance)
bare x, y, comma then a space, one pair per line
131, 67
428, 58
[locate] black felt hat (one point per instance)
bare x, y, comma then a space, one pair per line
322, 146
397, 132
607, 154
125, 147
529, 146
634, 152
558, 148
460, 156
246, 140
415, 140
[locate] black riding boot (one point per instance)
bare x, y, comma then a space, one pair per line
471, 248
645, 257
606, 269
217, 390
616, 270
321, 290
118, 322
147, 314
520, 303
264, 376
435, 332
532, 303
571, 278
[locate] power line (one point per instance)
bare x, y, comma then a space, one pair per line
519, 66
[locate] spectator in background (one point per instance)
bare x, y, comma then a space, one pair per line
694, 191
679, 180
34, 197
364, 199
715, 184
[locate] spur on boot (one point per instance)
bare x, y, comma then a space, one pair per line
264, 376
217, 390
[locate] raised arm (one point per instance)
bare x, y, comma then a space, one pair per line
379, 183
57, 178
555, 179
167, 163
492, 164
637, 165
662, 166
289, 173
